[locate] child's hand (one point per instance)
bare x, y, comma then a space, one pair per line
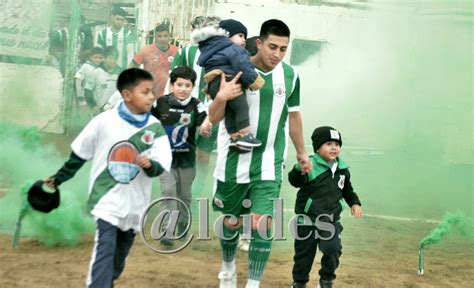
50, 182
305, 164
356, 211
206, 128
143, 162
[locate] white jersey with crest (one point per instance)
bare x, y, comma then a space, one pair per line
118, 203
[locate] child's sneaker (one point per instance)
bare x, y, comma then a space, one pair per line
298, 285
248, 141
227, 279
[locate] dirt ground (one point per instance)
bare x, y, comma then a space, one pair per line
377, 253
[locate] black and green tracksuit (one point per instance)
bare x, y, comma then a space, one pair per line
320, 193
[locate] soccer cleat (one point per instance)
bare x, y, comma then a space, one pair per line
227, 279
248, 140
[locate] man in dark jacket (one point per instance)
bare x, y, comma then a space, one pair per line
319, 199
222, 52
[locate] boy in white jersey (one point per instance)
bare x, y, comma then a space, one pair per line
85, 73
127, 147
256, 176
102, 83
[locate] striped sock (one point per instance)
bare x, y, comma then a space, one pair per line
259, 252
229, 247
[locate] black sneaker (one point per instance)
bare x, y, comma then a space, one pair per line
248, 141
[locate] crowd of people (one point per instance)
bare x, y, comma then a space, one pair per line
186, 102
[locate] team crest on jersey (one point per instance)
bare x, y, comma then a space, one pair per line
279, 90
342, 180
170, 59
185, 118
218, 202
148, 137
121, 162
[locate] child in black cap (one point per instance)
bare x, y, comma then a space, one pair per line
318, 198
222, 46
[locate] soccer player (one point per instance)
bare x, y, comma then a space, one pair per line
257, 176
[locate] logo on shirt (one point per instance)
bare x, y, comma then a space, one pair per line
148, 137
185, 118
121, 162
342, 179
279, 90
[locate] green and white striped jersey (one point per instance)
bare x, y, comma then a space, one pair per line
122, 40
268, 112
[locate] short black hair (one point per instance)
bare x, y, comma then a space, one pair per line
111, 51
274, 27
117, 11
162, 28
131, 78
96, 50
185, 72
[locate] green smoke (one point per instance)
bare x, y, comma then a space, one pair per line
450, 220
24, 160
398, 85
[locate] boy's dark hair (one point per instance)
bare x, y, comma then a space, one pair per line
274, 27
131, 78
184, 72
117, 11
96, 50
161, 28
111, 51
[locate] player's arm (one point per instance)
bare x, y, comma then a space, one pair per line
137, 60
66, 172
227, 91
296, 126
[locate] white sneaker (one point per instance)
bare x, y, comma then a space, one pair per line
227, 279
244, 244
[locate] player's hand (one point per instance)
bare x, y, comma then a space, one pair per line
230, 90
50, 182
206, 128
143, 161
356, 211
305, 164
